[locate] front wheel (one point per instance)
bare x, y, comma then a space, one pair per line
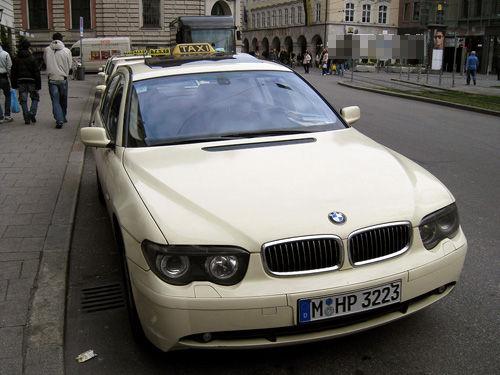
135, 323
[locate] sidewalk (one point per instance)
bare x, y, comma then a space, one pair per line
40, 168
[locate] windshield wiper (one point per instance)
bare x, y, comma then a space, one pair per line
193, 140
271, 132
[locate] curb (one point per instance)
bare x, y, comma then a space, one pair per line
427, 100
44, 334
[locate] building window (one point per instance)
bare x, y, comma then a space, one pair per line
268, 23
382, 14
274, 18
365, 15
406, 12
37, 14
80, 8
253, 20
318, 12
280, 17
349, 12
292, 16
286, 16
299, 15
416, 12
151, 13
258, 20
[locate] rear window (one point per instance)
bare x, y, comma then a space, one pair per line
198, 107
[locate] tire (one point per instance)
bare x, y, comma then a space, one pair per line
100, 193
134, 321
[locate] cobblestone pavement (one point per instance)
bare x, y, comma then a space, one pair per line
40, 168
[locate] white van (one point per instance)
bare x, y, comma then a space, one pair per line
95, 51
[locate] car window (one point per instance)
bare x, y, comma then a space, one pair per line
114, 111
208, 105
107, 101
107, 96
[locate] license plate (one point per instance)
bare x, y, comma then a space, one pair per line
312, 309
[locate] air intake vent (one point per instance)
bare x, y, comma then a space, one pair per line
379, 243
302, 255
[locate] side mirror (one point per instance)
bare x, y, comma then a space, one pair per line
100, 89
351, 114
101, 75
101, 69
95, 137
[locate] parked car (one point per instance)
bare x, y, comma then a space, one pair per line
251, 214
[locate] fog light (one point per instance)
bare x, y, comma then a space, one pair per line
207, 336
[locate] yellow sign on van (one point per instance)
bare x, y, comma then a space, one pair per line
193, 49
160, 52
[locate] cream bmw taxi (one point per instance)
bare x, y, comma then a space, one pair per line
250, 214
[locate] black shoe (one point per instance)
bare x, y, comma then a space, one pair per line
27, 122
32, 118
474, 83
59, 125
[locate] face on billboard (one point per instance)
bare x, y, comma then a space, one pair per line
438, 39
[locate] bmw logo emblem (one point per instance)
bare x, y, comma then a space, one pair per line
337, 217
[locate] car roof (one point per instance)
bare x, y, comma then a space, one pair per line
175, 66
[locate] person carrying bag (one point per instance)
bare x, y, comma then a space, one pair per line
25, 77
5, 66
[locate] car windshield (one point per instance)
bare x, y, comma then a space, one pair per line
225, 105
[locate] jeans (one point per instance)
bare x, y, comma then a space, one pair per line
469, 73
59, 95
5, 87
340, 69
26, 89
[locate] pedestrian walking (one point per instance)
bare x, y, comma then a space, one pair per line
340, 67
5, 67
306, 61
58, 61
324, 62
471, 66
25, 77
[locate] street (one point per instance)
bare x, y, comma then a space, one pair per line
458, 335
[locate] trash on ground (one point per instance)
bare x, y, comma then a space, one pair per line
85, 356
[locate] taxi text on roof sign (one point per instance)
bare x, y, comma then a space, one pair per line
193, 49
136, 52
160, 52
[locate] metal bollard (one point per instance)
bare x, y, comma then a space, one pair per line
408, 67
440, 76
418, 74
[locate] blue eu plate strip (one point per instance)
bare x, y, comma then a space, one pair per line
305, 311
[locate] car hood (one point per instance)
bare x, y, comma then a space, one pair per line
248, 192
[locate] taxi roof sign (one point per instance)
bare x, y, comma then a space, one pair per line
137, 52
190, 49
160, 52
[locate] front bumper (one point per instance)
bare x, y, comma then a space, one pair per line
251, 321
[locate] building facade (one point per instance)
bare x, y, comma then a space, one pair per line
7, 24
476, 23
310, 24
146, 22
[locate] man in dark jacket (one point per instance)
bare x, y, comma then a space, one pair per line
25, 76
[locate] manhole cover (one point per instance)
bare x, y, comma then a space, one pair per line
102, 298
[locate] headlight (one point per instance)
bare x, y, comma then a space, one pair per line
439, 225
182, 264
